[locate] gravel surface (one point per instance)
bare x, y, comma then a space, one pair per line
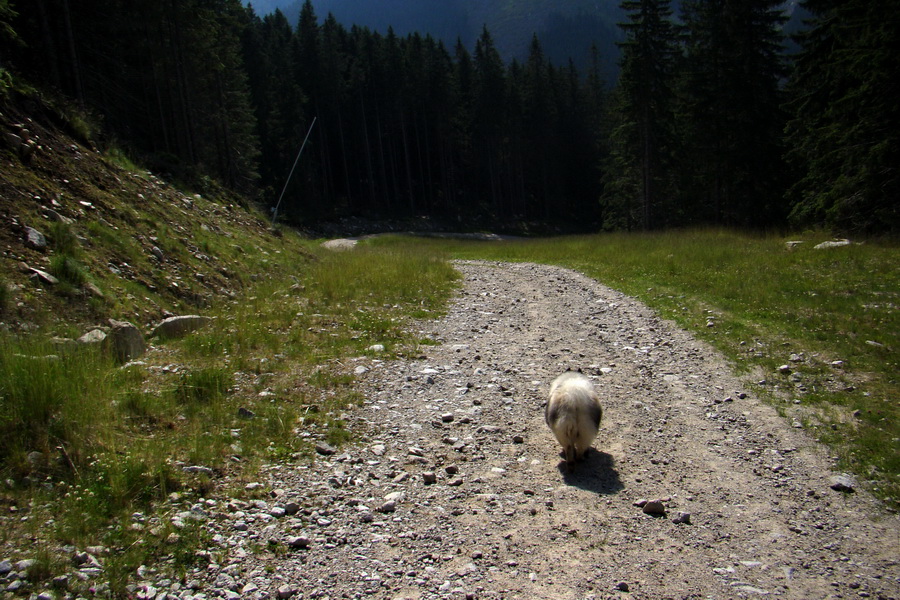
694, 487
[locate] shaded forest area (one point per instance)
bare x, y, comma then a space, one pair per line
710, 121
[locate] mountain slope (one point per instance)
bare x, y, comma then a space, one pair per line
119, 242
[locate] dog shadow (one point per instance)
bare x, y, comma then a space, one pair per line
596, 473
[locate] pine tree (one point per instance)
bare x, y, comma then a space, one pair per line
732, 113
489, 118
844, 132
639, 167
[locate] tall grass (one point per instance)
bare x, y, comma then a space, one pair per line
98, 442
765, 302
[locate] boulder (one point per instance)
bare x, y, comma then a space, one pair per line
43, 276
35, 239
831, 244
124, 341
94, 336
180, 326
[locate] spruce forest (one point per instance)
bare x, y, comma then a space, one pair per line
711, 121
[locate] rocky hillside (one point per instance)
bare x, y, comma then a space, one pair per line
86, 236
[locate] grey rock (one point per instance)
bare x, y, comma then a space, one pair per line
56, 217
43, 276
683, 518
429, 477
15, 586
388, 507
5, 567
155, 251
179, 326
842, 483
654, 507
197, 469
124, 341
284, 592
298, 542
94, 336
325, 449
35, 239
93, 290
831, 244
226, 581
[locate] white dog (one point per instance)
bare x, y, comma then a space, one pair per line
573, 413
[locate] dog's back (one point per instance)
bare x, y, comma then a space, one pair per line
573, 413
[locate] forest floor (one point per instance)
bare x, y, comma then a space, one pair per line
458, 488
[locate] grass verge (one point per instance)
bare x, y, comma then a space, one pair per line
98, 455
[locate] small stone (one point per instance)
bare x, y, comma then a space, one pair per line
245, 413
226, 581
179, 326
640, 503
388, 507
654, 507
325, 449
842, 483
291, 508
197, 469
518, 439
94, 336
447, 417
300, 542
376, 348
682, 518
622, 586
43, 276
784, 369
249, 588
451, 469
285, 591
35, 238
429, 477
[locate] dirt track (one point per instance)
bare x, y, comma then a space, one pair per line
504, 520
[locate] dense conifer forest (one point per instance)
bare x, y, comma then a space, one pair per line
710, 122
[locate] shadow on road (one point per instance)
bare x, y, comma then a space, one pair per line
596, 473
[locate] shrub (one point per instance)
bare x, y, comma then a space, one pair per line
68, 270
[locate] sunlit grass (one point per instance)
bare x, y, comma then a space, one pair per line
94, 443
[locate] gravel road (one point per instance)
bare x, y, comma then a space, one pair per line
459, 490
